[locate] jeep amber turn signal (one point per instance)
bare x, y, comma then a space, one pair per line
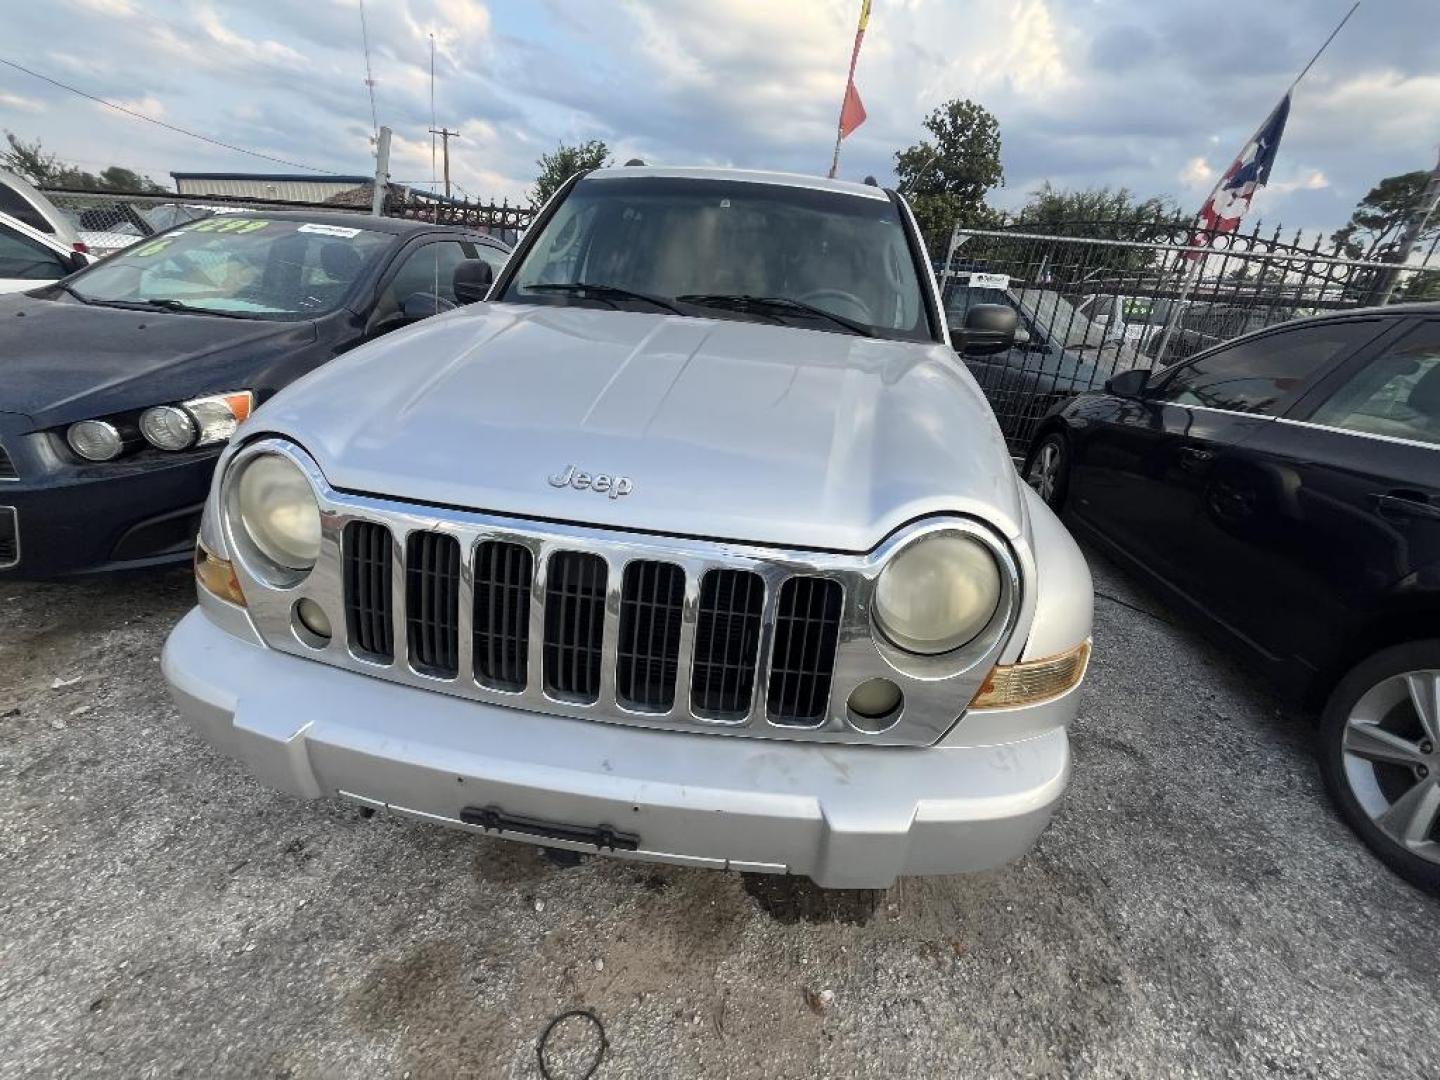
1032, 681
217, 576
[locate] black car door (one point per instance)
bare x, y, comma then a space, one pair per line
1317, 516
1146, 466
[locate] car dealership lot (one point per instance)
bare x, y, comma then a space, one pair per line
1195, 909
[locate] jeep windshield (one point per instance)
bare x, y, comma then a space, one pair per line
245, 267
731, 249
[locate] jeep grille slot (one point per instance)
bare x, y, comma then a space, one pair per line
7, 467
727, 643
652, 596
368, 602
574, 625
432, 603
503, 573
807, 629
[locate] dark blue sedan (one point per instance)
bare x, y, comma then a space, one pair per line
120, 384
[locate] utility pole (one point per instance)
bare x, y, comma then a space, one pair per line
382, 173
1420, 215
445, 136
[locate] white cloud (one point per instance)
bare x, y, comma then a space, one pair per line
1309, 180
1198, 174
23, 104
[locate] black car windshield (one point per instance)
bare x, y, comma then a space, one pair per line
246, 266
729, 249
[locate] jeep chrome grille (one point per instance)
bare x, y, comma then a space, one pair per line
503, 573
432, 603
574, 626
727, 642
806, 627
602, 624
368, 591
652, 601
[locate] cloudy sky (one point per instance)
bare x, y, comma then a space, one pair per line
1156, 96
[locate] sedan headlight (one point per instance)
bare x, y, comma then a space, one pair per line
95, 440
200, 421
276, 508
937, 594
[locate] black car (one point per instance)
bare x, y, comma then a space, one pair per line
1285, 488
120, 384
1057, 353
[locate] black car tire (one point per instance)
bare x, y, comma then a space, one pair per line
1365, 678
1057, 445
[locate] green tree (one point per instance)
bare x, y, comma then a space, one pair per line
1103, 213
1378, 217
31, 161
947, 176
564, 162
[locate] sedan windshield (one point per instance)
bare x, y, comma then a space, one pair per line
821, 260
244, 266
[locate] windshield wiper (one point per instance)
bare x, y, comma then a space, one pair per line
180, 305
769, 305
602, 292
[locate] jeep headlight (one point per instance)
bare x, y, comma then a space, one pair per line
276, 508
937, 593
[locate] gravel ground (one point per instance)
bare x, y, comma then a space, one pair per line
1195, 909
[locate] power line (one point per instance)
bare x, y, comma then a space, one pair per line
162, 123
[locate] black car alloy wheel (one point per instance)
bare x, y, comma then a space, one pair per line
1380, 756
1048, 470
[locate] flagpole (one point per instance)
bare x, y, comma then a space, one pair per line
1192, 277
849, 84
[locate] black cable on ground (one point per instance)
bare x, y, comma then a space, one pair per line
550, 1028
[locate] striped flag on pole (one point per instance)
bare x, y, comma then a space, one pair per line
852, 109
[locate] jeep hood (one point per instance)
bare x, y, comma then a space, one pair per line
725, 429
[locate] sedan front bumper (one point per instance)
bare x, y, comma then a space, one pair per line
845, 816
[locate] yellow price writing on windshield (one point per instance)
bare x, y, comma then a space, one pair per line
152, 248
239, 226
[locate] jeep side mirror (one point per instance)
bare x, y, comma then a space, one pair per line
988, 329
1128, 384
472, 281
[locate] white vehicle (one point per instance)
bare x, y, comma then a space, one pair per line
696, 544
29, 258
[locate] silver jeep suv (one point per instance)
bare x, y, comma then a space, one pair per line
695, 543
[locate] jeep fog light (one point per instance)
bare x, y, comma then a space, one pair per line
312, 625
874, 705
1032, 681
277, 509
938, 593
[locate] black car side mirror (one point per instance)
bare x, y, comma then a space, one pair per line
1128, 384
988, 329
421, 305
472, 281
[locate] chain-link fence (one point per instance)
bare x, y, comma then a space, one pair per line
1096, 298
111, 220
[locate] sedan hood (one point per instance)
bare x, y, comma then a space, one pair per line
722, 429
61, 360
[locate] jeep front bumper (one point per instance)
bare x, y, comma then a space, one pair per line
845, 816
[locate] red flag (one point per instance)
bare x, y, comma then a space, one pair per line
852, 113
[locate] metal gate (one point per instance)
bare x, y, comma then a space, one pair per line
1097, 298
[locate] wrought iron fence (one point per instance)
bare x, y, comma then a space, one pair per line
1097, 298
500, 219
